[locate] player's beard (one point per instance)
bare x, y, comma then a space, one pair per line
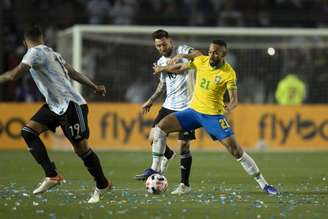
214, 62
168, 53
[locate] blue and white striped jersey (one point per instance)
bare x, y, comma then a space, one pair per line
179, 87
51, 77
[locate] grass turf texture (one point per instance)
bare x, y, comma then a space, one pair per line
220, 187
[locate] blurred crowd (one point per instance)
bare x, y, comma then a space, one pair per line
60, 14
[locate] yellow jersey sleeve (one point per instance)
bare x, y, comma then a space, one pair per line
196, 62
232, 81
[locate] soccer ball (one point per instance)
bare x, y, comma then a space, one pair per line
156, 184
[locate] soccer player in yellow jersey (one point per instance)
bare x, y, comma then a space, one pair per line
213, 77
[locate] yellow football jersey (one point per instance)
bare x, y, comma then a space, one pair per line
211, 84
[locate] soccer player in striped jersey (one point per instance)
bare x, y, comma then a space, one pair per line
179, 89
64, 107
213, 77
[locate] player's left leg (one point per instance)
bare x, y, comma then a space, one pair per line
185, 167
185, 161
219, 129
92, 162
75, 127
247, 163
184, 138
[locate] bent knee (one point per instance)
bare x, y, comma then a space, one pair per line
235, 151
162, 126
36, 126
27, 133
81, 148
169, 124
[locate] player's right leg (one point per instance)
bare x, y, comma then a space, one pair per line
147, 172
165, 126
175, 122
169, 154
41, 121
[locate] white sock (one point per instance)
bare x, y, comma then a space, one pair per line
261, 181
158, 148
156, 163
251, 169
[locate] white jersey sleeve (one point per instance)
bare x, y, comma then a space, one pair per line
178, 92
60, 58
184, 49
51, 77
33, 57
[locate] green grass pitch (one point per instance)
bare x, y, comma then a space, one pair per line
220, 187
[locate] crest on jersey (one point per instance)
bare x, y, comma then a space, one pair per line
217, 79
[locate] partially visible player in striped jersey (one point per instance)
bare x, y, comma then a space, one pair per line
179, 89
64, 107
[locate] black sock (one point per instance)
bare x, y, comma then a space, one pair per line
185, 162
91, 161
168, 152
39, 151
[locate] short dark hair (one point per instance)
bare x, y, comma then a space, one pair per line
158, 34
33, 32
220, 42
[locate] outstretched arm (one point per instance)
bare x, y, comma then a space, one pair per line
81, 78
15, 73
190, 56
194, 53
233, 96
178, 68
149, 103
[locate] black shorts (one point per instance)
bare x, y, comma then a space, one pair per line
74, 122
183, 135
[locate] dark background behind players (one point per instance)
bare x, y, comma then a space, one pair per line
223, 13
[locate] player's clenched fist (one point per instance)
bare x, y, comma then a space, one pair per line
100, 89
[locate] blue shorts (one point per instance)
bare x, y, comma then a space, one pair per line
215, 125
